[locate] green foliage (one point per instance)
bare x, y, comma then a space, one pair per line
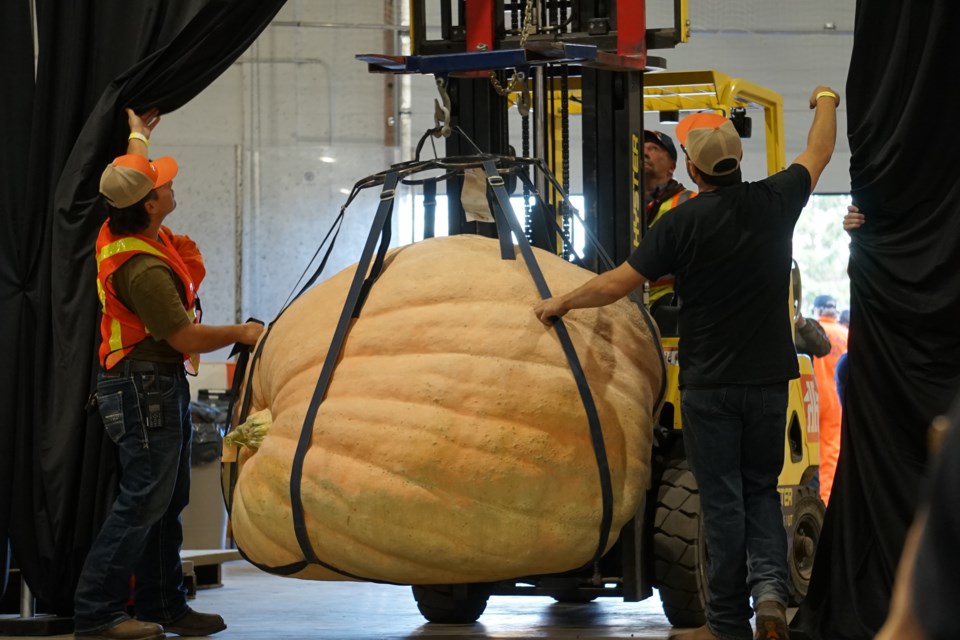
821, 248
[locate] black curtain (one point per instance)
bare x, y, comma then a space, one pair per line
57, 469
905, 302
17, 230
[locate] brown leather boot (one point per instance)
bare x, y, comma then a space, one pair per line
771, 621
194, 623
700, 633
128, 629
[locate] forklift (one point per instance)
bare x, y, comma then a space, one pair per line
542, 63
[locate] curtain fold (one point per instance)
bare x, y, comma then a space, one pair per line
95, 57
904, 362
18, 237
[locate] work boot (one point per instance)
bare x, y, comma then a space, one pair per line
700, 633
128, 629
771, 621
194, 623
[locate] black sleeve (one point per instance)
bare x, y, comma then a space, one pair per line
792, 188
812, 339
656, 255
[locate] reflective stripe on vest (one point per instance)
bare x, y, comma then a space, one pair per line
664, 286
120, 328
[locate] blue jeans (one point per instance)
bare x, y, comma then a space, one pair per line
146, 413
734, 440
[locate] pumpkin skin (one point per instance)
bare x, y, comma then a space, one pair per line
452, 445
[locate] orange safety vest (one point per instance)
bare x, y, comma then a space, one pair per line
831, 411
664, 286
120, 328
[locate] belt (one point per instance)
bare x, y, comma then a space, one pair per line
125, 367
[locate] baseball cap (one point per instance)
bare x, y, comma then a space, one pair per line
711, 142
128, 179
662, 140
825, 301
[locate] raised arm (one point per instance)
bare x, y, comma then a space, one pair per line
141, 126
604, 289
822, 137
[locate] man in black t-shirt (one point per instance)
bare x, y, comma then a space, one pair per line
730, 250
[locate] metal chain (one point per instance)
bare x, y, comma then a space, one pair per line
529, 28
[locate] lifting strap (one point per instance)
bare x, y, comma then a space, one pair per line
357, 295
504, 216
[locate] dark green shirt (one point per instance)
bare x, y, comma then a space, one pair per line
151, 290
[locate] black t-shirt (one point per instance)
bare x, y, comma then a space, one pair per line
731, 250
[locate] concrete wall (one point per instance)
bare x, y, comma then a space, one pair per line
268, 151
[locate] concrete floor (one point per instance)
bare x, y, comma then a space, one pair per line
261, 606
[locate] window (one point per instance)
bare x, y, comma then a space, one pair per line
410, 218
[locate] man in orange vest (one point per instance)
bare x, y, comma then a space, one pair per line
660, 194
825, 309
147, 281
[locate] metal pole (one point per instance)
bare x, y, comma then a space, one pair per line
27, 609
539, 125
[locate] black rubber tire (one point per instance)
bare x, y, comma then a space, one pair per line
679, 547
451, 604
804, 539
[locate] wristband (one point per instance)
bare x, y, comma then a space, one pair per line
135, 135
827, 93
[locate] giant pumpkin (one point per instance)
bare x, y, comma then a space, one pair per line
452, 445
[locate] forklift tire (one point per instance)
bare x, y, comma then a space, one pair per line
679, 547
451, 604
804, 539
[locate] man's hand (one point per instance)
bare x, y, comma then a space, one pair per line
143, 123
250, 333
549, 309
820, 90
854, 219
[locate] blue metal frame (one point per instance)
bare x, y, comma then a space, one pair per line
553, 53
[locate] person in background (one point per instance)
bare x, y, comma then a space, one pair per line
844, 319
147, 280
825, 311
811, 339
661, 193
731, 242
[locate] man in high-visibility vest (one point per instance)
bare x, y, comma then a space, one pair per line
147, 279
661, 192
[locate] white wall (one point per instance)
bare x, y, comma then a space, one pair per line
257, 189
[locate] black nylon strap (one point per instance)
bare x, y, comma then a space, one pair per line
504, 227
379, 231
244, 362
607, 262
337, 224
429, 208
593, 418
